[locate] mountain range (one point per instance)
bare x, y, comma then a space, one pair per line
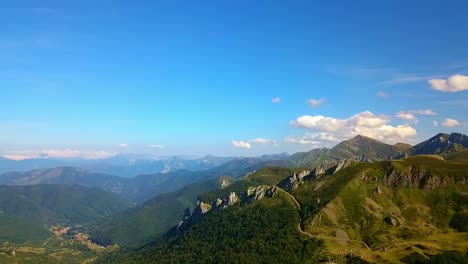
123, 165
412, 211
362, 201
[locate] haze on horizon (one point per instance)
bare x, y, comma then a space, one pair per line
227, 78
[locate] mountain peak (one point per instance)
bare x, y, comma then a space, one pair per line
442, 143
364, 148
361, 137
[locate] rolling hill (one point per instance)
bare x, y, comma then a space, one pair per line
28, 212
386, 211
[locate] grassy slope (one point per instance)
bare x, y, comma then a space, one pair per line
353, 204
363, 146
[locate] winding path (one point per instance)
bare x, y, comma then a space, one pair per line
302, 231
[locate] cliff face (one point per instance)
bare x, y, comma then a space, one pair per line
416, 178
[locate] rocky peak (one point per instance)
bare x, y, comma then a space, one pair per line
294, 180
257, 193
297, 178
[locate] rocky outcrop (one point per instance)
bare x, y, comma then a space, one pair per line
202, 208
251, 195
294, 180
297, 178
257, 193
417, 178
331, 168
185, 218
232, 199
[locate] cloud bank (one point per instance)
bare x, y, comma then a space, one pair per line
58, 153
328, 129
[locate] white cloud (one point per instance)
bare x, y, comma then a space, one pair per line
406, 116
424, 112
411, 115
265, 141
329, 129
314, 139
455, 83
435, 123
241, 144
382, 94
58, 153
448, 122
123, 145
276, 100
314, 103
248, 143
156, 146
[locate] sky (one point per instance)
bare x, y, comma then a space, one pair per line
92, 79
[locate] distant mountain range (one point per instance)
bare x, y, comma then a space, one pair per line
361, 148
137, 189
358, 148
145, 186
121, 165
360, 194
411, 210
167, 209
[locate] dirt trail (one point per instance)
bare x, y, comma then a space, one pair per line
302, 231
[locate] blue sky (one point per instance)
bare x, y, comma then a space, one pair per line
196, 77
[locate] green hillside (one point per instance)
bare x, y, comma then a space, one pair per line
311, 158
395, 208
153, 217
159, 214
27, 212
383, 212
263, 232
368, 149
